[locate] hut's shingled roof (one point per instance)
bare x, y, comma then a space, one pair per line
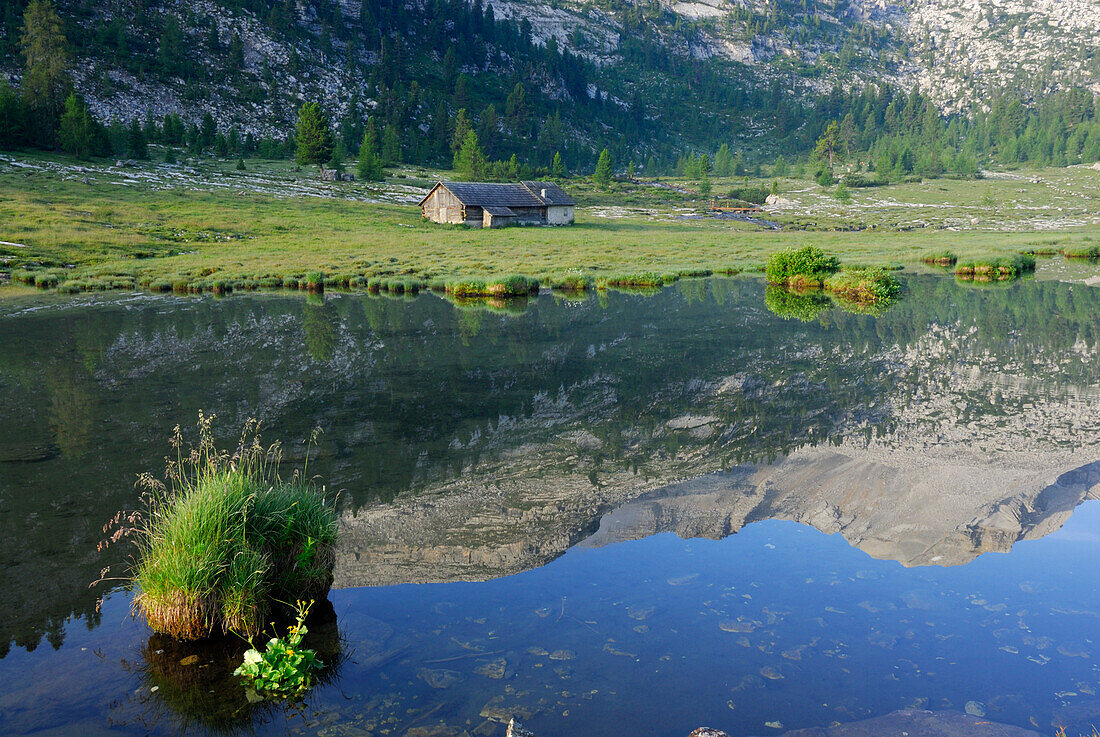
522, 194
555, 195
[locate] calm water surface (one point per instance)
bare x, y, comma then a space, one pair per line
622, 512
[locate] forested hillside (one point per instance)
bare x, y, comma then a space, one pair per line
654, 84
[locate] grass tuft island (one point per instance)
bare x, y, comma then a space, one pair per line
227, 539
810, 268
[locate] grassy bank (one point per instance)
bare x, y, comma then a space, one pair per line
212, 228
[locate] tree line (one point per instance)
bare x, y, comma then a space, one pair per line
449, 85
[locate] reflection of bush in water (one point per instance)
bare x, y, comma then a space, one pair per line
319, 323
512, 306
804, 306
195, 681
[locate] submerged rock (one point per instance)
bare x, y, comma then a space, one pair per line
439, 678
515, 729
975, 708
917, 723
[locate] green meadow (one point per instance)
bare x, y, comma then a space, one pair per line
101, 227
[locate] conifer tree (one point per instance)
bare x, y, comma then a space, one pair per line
827, 145
135, 141
461, 127
46, 81
369, 168
11, 117
470, 162
391, 146
557, 168
77, 130
602, 175
723, 161
313, 136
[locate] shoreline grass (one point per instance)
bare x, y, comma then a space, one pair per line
227, 539
175, 234
995, 268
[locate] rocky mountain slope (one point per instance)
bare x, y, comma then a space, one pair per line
251, 63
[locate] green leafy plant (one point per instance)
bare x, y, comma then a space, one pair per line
284, 669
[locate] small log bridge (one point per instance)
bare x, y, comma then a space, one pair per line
733, 206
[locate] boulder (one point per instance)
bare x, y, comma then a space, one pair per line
707, 732
775, 200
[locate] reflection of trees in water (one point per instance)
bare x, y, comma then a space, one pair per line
320, 324
435, 388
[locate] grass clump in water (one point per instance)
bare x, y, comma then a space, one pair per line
314, 282
864, 286
803, 267
1082, 251
940, 258
227, 537
572, 283
645, 279
998, 268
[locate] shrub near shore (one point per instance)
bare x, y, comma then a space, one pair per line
227, 538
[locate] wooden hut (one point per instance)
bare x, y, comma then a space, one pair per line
483, 205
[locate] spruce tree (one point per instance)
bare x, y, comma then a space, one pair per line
11, 117
77, 131
369, 168
313, 136
135, 141
602, 175
391, 146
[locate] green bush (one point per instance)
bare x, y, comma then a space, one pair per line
752, 195
807, 265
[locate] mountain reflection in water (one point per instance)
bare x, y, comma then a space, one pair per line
472, 445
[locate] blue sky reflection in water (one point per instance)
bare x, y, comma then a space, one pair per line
534, 489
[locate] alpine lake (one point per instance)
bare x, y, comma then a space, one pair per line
613, 514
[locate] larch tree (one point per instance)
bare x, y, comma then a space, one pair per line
470, 161
46, 80
826, 146
602, 175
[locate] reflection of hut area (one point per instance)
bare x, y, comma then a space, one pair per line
195, 680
